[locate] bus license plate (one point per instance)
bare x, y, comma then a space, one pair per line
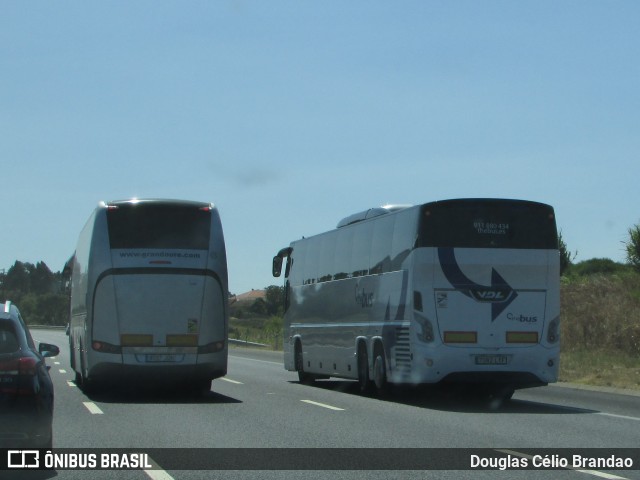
492, 359
151, 358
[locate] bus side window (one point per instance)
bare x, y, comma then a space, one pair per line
361, 249
342, 257
381, 245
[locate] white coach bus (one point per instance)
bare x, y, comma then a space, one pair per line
149, 294
462, 291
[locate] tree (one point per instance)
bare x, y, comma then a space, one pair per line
41, 279
275, 299
36, 291
632, 247
259, 307
17, 278
566, 257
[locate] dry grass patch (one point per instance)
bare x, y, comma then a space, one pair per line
601, 368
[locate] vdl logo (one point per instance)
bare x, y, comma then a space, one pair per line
23, 459
491, 295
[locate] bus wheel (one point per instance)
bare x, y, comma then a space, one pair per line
504, 393
200, 387
72, 354
380, 373
364, 382
303, 377
88, 386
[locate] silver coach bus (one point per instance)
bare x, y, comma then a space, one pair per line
149, 294
463, 291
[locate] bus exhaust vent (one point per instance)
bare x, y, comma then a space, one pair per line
403, 351
371, 213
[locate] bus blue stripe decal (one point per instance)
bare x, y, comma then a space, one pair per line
499, 293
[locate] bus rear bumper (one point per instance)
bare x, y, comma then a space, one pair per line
187, 368
516, 367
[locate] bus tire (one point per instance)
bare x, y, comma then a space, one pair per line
305, 378
504, 393
364, 381
87, 385
380, 372
72, 354
200, 387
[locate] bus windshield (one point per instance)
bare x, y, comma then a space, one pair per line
158, 225
484, 223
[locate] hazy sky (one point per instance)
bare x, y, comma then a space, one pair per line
292, 115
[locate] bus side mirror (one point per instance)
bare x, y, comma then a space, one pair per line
276, 270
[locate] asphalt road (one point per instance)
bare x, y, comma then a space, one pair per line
260, 405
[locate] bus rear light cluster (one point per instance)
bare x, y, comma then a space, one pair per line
104, 347
426, 329
553, 333
211, 347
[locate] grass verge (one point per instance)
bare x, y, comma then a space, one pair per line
600, 368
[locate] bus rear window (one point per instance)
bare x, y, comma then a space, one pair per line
486, 223
159, 226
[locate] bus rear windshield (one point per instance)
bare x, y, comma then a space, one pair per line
159, 226
488, 224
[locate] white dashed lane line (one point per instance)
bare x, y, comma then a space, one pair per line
323, 405
157, 473
623, 417
93, 408
235, 382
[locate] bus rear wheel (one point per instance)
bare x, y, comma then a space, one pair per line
380, 374
303, 377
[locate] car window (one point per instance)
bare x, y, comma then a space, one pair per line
27, 333
8, 340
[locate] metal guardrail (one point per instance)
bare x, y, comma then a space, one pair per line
246, 343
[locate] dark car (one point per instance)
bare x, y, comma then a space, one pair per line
26, 390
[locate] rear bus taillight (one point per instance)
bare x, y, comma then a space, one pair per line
105, 347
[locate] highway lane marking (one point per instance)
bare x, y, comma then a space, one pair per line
624, 417
62, 370
157, 473
579, 410
323, 405
71, 384
93, 408
595, 473
231, 381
